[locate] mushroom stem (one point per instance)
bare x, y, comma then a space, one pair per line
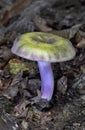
47, 80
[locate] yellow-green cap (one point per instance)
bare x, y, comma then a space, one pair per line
40, 46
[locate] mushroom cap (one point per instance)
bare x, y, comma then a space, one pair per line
40, 46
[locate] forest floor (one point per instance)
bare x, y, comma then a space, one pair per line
20, 78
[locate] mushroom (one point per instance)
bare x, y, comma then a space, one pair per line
44, 48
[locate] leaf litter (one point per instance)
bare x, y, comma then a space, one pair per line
20, 86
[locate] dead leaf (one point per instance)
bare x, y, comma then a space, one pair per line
81, 44
5, 53
68, 33
4, 39
12, 11
62, 85
41, 24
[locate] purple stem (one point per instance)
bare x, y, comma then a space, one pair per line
47, 80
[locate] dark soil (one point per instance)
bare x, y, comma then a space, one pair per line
20, 105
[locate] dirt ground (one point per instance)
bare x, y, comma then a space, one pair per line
20, 83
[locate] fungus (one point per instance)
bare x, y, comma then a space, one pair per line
44, 48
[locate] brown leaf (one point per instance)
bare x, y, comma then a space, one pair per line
81, 44
68, 33
77, 37
62, 85
8, 38
20, 109
5, 53
14, 10
41, 24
